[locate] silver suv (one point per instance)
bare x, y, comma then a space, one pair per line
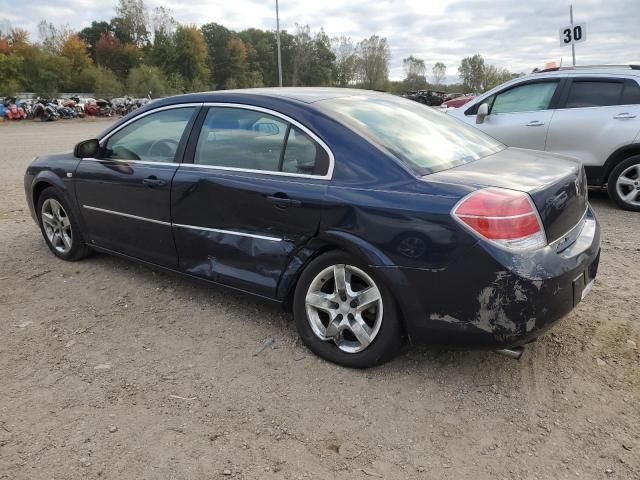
589, 113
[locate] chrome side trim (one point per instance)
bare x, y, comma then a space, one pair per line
228, 232
249, 170
138, 162
128, 215
191, 227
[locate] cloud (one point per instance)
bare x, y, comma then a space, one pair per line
509, 34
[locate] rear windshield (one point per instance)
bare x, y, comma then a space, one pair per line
423, 138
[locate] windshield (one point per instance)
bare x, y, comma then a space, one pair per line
421, 137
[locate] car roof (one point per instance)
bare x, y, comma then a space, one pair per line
590, 70
300, 94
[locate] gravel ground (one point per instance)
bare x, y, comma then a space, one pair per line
111, 370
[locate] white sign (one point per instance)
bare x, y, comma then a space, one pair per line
572, 34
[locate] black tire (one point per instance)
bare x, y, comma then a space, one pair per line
389, 338
612, 183
79, 248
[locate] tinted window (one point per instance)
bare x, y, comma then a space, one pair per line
593, 94
303, 155
251, 140
631, 93
238, 138
525, 98
152, 138
419, 136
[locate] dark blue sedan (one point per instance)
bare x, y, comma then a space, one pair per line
378, 221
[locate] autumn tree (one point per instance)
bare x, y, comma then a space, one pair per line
191, 57
90, 35
75, 50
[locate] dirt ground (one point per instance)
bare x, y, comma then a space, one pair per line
111, 370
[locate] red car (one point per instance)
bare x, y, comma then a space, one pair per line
457, 102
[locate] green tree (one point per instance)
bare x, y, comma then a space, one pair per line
346, 61
374, 56
472, 70
10, 74
237, 66
107, 84
414, 69
146, 80
217, 38
191, 57
261, 55
131, 23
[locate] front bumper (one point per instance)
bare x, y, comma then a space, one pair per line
494, 299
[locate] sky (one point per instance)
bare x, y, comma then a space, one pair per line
517, 34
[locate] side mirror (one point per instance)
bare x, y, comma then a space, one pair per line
483, 111
87, 149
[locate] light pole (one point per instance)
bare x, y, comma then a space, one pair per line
278, 42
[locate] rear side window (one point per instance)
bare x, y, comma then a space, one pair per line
251, 140
631, 93
593, 94
525, 98
303, 155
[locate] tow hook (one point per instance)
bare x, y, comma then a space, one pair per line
515, 352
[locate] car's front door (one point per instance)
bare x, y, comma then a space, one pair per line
519, 116
251, 197
595, 117
124, 195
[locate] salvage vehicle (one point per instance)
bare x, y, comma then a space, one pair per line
378, 221
591, 113
456, 102
12, 111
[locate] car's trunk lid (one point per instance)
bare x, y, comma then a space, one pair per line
557, 184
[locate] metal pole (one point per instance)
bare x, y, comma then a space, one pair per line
278, 41
573, 46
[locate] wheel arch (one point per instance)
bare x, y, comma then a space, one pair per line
46, 179
618, 156
382, 267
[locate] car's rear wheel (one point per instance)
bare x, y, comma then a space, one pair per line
344, 314
624, 184
59, 227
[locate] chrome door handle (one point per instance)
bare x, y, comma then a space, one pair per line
622, 116
535, 123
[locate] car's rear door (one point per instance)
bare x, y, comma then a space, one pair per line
124, 194
519, 115
596, 115
250, 198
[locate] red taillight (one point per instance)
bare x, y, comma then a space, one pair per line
506, 217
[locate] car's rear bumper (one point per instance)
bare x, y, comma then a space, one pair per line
493, 299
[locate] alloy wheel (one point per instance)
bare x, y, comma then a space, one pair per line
344, 305
628, 185
57, 226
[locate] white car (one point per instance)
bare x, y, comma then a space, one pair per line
589, 113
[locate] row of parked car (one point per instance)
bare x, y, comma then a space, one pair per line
50, 109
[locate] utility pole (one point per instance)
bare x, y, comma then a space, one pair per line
280, 53
573, 47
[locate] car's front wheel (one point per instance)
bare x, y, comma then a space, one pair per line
624, 184
59, 227
344, 314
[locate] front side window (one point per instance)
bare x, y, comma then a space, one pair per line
252, 140
422, 138
152, 138
593, 93
525, 98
